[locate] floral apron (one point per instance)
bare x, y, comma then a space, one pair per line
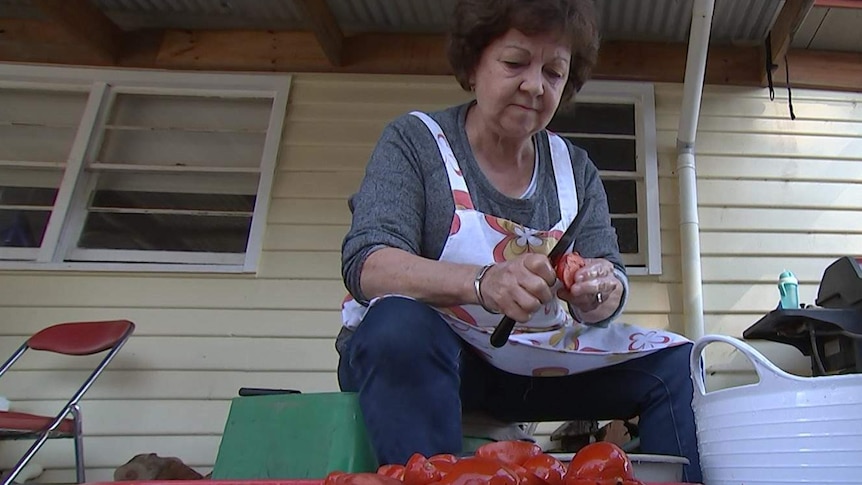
552, 343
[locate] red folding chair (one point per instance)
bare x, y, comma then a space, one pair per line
76, 338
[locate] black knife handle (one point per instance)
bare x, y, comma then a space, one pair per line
504, 329
502, 332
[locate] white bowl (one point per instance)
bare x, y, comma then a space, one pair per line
785, 429
647, 468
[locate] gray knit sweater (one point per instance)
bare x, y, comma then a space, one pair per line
405, 200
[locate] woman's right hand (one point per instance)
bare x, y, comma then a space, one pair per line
519, 287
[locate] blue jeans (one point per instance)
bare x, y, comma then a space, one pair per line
414, 375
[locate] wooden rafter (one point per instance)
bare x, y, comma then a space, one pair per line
36, 40
425, 54
838, 3
781, 34
325, 28
84, 22
33, 40
300, 52
665, 62
822, 70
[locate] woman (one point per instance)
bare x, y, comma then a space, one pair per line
451, 230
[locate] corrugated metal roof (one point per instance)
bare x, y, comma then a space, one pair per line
734, 21
243, 8
204, 14
667, 20
18, 9
418, 16
742, 21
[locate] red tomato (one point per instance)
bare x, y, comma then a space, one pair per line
516, 452
527, 477
567, 266
599, 463
394, 471
420, 471
546, 467
444, 462
480, 471
604, 481
341, 478
332, 477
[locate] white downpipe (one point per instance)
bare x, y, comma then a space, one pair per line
689, 226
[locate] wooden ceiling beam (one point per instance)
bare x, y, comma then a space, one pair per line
32, 40
840, 71
425, 54
300, 52
325, 27
788, 21
838, 3
26, 31
260, 51
85, 23
665, 62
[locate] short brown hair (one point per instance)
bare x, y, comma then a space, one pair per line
477, 23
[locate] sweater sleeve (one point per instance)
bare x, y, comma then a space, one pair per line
598, 238
389, 209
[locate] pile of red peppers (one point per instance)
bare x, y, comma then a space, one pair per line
503, 463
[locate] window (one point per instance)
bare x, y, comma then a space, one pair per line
615, 123
37, 129
135, 170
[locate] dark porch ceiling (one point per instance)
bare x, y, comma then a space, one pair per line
642, 39
735, 21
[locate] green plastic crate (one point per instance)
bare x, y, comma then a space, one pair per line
293, 436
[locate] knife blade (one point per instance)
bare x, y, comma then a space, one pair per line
504, 328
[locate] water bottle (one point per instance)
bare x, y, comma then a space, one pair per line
788, 288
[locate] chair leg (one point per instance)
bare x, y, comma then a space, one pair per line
79, 444
13, 473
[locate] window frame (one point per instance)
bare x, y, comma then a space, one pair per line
642, 96
67, 216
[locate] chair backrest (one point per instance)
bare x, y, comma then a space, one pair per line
78, 338
73, 339
81, 338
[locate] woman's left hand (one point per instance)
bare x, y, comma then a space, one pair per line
596, 291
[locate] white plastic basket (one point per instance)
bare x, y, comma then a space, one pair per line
784, 429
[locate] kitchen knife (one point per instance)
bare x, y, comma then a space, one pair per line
504, 328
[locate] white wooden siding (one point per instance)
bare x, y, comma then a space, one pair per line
200, 338
774, 194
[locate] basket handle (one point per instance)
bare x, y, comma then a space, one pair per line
768, 373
